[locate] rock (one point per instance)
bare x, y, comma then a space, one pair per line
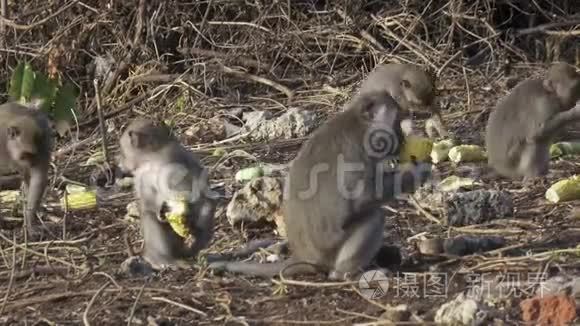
549, 310
467, 245
260, 199
103, 67
462, 310
208, 131
230, 129
293, 123
254, 118
459, 246
136, 266
559, 284
461, 207
477, 206
431, 246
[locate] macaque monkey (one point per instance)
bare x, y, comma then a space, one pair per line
164, 170
26, 146
524, 123
334, 191
413, 89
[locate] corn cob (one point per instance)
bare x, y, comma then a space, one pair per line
440, 152
467, 153
564, 190
417, 148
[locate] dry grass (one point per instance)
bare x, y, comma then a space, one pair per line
192, 62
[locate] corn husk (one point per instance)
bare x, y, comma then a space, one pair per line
467, 153
440, 151
564, 148
416, 148
72, 188
454, 182
564, 190
177, 216
95, 159
249, 173
79, 200
9, 196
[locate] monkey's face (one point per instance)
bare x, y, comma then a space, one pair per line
21, 144
417, 95
563, 80
569, 93
140, 140
418, 90
382, 115
129, 149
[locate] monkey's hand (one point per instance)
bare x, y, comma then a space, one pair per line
162, 215
406, 179
546, 130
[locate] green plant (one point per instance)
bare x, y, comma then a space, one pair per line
57, 98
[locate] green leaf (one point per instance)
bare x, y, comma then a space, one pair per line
64, 107
16, 82
28, 77
45, 89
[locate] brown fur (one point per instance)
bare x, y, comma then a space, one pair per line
412, 87
328, 229
162, 167
524, 124
26, 145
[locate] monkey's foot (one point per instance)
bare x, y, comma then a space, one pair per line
164, 264
35, 233
338, 276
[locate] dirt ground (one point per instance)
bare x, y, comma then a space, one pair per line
57, 281
74, 278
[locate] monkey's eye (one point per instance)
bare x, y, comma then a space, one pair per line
13, 132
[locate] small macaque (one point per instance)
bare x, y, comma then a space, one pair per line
524, 124
334, 191
412, 87
165, 172
26, 146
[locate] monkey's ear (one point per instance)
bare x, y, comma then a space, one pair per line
369, 109
405, 83
13, 132
137, 139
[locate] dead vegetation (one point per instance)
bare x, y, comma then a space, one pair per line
198, 63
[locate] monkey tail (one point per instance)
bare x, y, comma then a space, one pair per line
243, 253
288, 267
